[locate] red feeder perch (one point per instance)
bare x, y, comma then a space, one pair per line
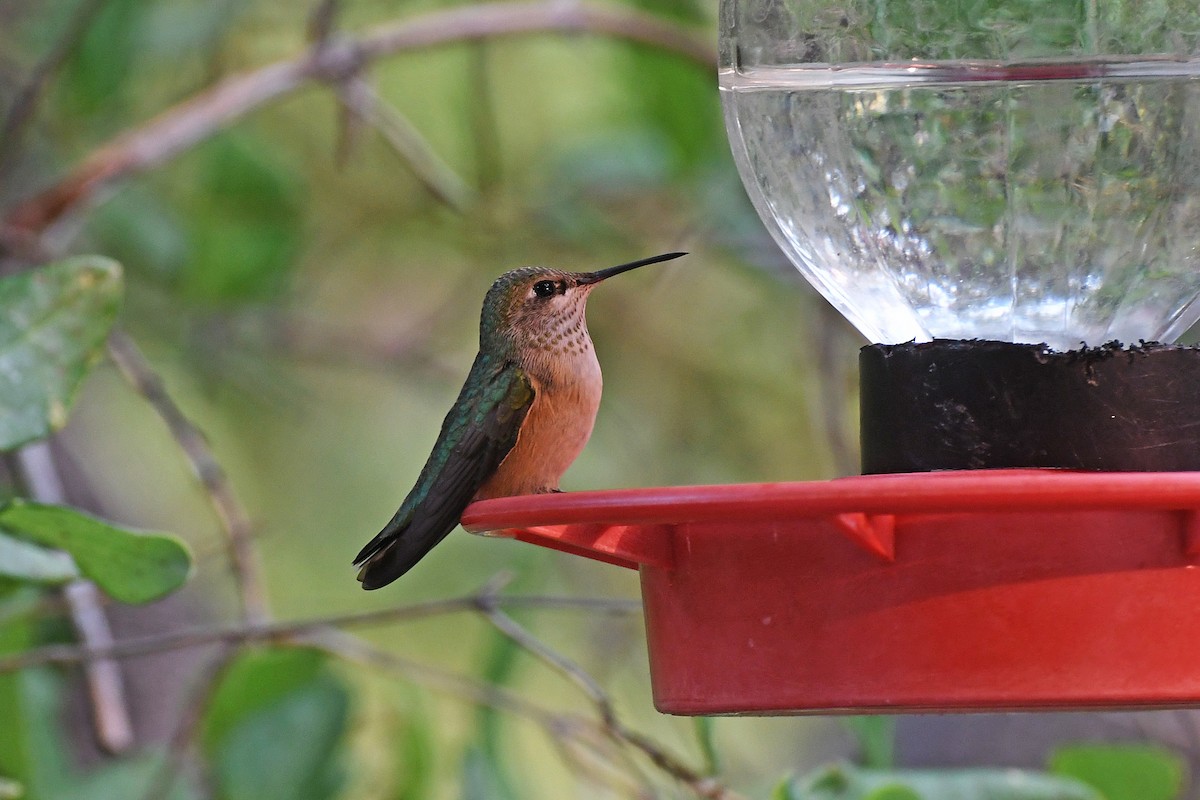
1014, 589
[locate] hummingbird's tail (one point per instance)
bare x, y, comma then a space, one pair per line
397, 549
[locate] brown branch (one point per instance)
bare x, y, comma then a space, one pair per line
106, 684
322, 23
702, 785
573, 750
361, 100
557, 661
562, 729
322, 19
351, 648
491, 20
573, 733
199, 117
243, 633
593, 755
85, 606
243, 558
160, 139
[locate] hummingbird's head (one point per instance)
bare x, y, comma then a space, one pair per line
543, 307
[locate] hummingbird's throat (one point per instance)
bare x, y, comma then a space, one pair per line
564, 333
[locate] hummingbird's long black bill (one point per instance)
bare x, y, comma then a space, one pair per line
601, 274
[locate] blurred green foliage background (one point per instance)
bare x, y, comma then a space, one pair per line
313, 307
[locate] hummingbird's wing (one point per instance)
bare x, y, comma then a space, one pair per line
476, 436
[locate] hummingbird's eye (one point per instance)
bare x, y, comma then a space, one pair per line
544, 288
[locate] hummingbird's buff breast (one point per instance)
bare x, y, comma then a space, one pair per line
557, 426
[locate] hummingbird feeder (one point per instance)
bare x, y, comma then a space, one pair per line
998, 201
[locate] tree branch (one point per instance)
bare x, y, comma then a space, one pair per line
702, 785
563, 729
242, 633
351, 648
85, 605
333, 60
361, 100
243, 558
327, 634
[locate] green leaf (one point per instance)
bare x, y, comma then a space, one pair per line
876, 739
1123, 772
846, 782
53, 323
18, 602
34, 750
256, 680
128, 566
14, 637
286, 749
28, 562
245, 225
100, 65
126, 778
263, 758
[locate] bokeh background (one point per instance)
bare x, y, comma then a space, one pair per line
309, 292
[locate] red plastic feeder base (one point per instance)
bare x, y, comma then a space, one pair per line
953, 591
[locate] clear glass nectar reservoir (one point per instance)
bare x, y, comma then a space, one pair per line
1030, 192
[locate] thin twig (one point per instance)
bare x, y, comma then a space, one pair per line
563, 729
434, 174
702, 785
243, 558
182, 126
576, 674
105, 684
322, 23
281, 631
595, 760
322, 20
557, 661
351, 648
492, 20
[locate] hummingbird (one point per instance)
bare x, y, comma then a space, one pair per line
523, 415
